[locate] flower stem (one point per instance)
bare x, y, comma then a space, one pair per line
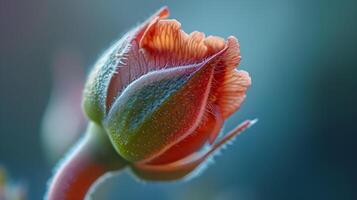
91, 158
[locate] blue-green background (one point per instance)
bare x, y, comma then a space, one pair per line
301, 54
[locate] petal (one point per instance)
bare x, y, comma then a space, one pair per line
130, 63
162, 45
99, 92
159, 109
216, 129
207, 130
233, 92
230, 84
186, 166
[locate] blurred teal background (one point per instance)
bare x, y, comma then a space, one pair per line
301, 54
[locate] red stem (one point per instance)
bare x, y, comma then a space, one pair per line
92, 157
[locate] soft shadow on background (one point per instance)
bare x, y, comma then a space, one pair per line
302, 56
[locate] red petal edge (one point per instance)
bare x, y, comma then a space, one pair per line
182, 168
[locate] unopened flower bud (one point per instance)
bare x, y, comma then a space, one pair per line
162, 94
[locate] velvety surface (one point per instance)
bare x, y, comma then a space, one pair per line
300, 55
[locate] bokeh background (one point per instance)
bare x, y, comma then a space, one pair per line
301, 54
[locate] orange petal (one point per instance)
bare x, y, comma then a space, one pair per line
166, 44
233, 91
160, 14
207, 130
231, 85
182, 168
155, 45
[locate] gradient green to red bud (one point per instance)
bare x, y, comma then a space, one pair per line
162, 95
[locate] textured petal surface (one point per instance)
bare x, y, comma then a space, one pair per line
156, 111
207, 130
226, 95
165, 44
98, 93
160, 45
186, 166
230, 85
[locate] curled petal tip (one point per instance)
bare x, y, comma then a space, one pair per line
234, 132
163, 12
186, 166
252, 122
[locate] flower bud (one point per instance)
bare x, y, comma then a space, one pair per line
162, 95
